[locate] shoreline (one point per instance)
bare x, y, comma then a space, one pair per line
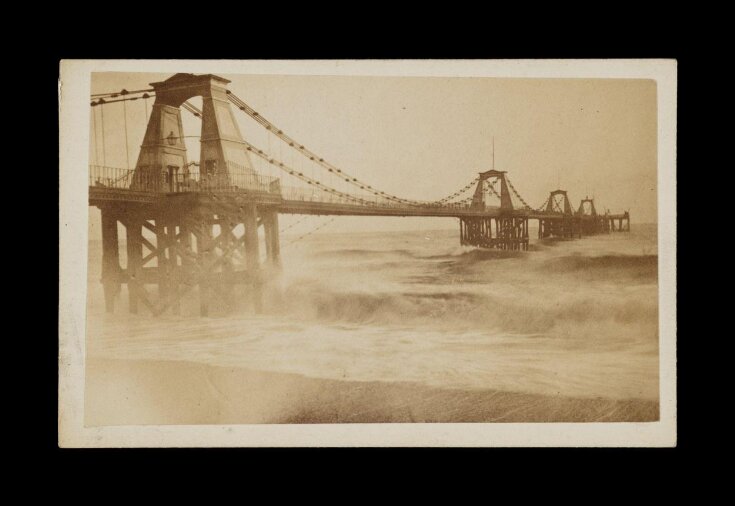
158, 392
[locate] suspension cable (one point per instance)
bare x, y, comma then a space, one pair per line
270, 128
94, 136
192, 109
294, 224
121, 92
127, 149
300, 148
458, 192
542, 206
516, 192
102, 101
311, 231
300, 175
102, 115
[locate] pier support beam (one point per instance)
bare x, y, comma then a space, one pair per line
161, 245
560, 226
187, 255
110, 258
252, 254
200, 247
272, 240
134, 246
505, 232
228, 245
204, 259
173, 271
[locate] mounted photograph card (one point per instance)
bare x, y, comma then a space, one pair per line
367, 253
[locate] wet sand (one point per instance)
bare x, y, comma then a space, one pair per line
152, 392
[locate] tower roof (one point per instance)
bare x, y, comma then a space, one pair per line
182, 77
492, 173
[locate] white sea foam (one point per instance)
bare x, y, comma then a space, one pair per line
572, 318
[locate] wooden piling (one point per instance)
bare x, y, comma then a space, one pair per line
110, 258
204, 255
172, 265
134, 245
252, 254
161, 245
275, 242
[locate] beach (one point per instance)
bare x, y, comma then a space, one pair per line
147, 392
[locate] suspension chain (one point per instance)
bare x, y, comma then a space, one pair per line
312, 156
294, 224
311, 231
493, 190
277, 163
507, 179
301, 149
458, 192
542, 206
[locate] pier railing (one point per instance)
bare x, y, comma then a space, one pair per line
110, 177
316, 195
176, 180
153, 179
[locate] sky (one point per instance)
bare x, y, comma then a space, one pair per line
426, 137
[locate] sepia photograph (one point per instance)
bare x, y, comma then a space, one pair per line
292, 247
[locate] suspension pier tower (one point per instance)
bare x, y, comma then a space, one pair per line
186, 228
594, 223
507, 230
559, 219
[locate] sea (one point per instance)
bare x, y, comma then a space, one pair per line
570, 318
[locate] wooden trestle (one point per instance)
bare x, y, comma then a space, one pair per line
503, 232
576, 226
567, 227
510, 232
203, 241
